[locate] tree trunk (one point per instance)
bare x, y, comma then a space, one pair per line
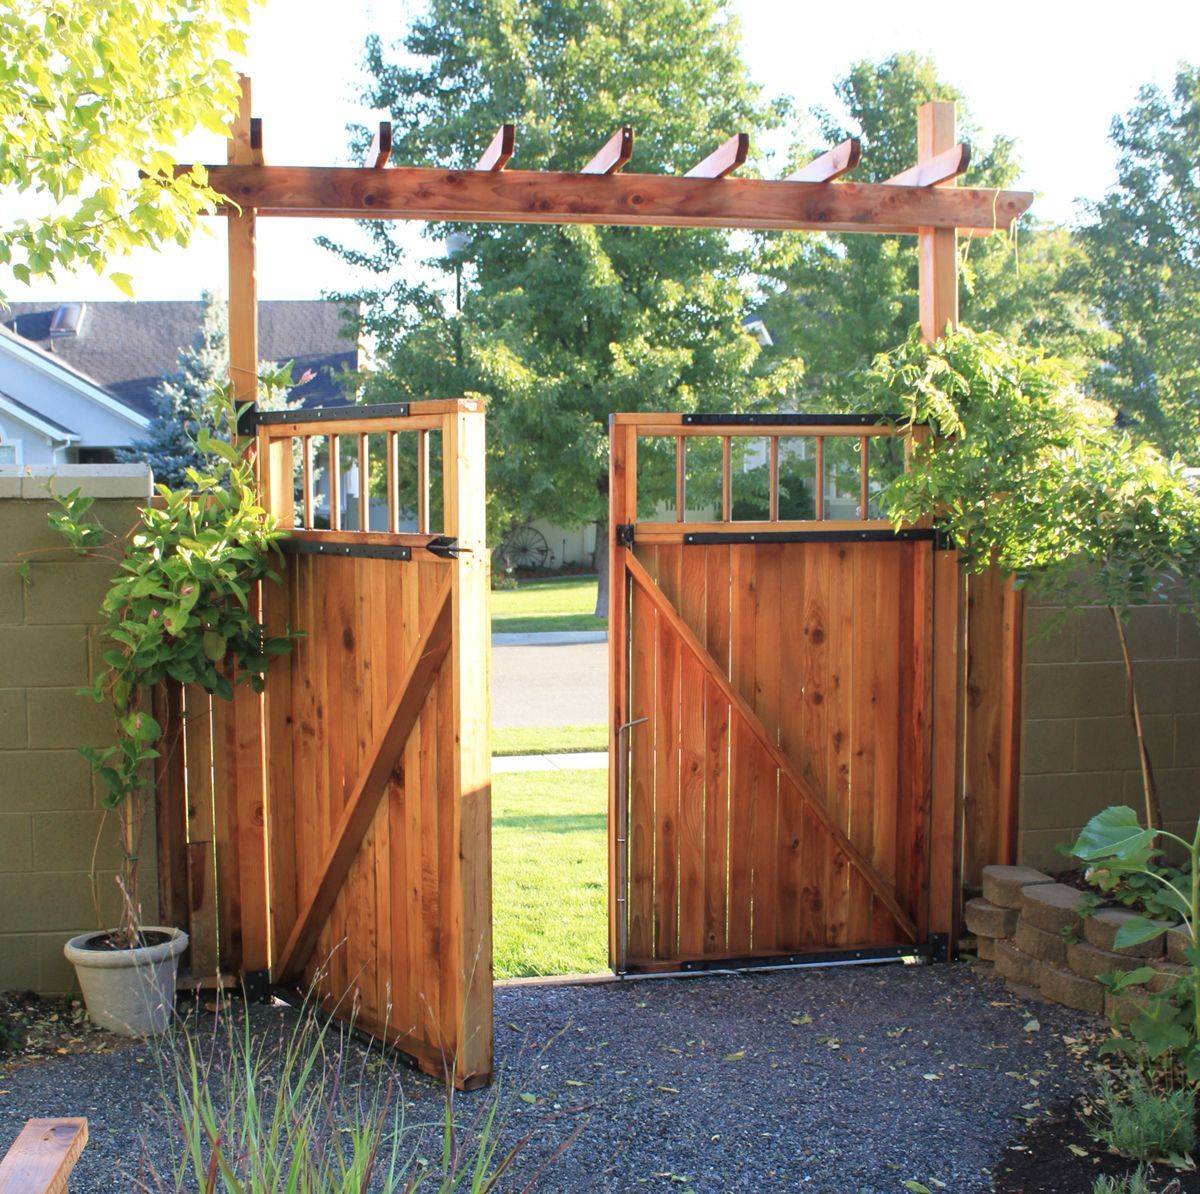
1149, 788
602, 568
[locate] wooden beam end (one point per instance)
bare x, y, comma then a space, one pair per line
498, 153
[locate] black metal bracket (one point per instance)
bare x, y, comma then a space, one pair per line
790, 419
370, 551
333, 414
872, 535
624, 534
831, 957
256, 986
445, 547
941, 540
939, 947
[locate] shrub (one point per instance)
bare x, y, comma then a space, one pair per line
1148, 1124
248, 1108
1133, 1183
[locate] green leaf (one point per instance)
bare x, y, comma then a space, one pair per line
1136, 931
214, 645
1115, 833
124, 283
1131, 978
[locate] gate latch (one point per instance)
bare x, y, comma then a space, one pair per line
624, 534
445, 547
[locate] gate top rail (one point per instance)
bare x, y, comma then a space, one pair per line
831, 475
319, 466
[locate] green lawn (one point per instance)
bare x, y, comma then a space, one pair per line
547, 740
536, 605
549, 880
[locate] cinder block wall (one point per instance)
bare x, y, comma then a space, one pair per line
50, 810
1078, 752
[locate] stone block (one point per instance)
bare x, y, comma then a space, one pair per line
1002, 885
19, 963
1188, 645
42, 656
12, 718
1015, 964
1071, 989
1166, 975
65, 841
985, 919
1152, 631
16, 842
1101, 928
1187, 740
985, 947
62, 718
1069, 800
1167, 685
1051, 907
1122, 1007
1073, 690
1046, 947
44, 780
1177, 941
105, 482
12, 594
39, 902
67, 593
1179, 792
1047, 746
56, 976
1049, 637
1109, 743
1089, 962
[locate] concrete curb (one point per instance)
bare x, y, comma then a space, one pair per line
549, 638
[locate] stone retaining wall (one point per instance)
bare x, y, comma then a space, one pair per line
50, 811
1045, 940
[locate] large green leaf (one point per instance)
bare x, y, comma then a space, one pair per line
1137, 930
1115, 833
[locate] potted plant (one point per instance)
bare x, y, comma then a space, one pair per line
179, 609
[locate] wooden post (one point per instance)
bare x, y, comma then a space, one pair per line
938, 303
469, 743
622, 468
247, 705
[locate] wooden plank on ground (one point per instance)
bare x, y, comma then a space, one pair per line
41, 1158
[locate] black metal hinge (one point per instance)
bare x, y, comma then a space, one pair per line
445, 547
939, 947
624, 534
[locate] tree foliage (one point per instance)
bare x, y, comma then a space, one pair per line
838, 301
92, 93
1143, 241
179, 608
560, 326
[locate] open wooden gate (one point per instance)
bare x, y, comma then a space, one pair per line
373, 737
772, 650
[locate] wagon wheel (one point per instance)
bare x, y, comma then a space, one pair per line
524, 547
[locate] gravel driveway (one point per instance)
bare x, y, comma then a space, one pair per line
840, 1079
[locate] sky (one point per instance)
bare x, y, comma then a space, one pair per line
1051, 74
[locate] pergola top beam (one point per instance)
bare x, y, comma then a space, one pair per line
544, 197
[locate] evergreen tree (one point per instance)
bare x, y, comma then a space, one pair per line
183, 402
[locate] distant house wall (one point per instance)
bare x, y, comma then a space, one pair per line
1078, 752
50, 813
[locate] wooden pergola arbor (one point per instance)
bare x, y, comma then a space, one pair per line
352, 804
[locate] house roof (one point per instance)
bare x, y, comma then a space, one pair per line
34, 418
126, 348
53, 363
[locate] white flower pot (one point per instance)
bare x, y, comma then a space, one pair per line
129, 991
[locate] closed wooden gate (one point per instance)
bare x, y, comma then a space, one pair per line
368, 863
772, 671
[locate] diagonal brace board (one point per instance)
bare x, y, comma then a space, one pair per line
419, 675
876, 881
